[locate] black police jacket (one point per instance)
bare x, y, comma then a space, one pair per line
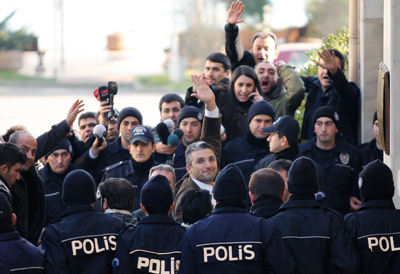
53, 189
231, 240
17, 254
113, 154
153, 245
375, 229
82, 241
127, 171
341, 173
369, 152
317, 237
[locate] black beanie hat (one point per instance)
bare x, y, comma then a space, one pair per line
230, 184
129, 111
375, 117
64, 144
190, 111
157, 192
376, 182
302, 177
5, 213
78, 188
326, 111
261, 107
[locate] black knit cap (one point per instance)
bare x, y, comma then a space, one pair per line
326, 111
190, 111
302, 177
261, 107
157, 192
5, 213
78, 188
376, 182
230, 184
64, 144
129, 111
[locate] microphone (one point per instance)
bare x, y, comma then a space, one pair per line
163, 132
96, 94
221, 130
112, 90
174, 138
100, 132
170, 124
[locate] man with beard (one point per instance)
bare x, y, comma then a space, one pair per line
281, 86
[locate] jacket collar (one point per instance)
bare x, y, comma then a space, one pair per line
377, 204
9, 235
158, 219
299, 203
72, 210
228, 209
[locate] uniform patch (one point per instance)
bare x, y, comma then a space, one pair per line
360, 182
98, 193
200, 116
344, 158
336, 116
115, 263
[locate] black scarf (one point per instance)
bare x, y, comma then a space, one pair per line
288, 153
253, 141
143, 168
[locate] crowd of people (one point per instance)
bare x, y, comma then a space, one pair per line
244, 189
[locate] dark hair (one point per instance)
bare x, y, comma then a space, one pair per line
120, 194
12, 130
218, 57
10, 155
86, 115
171, 97
339, 55
281, 164
163, 210
15, 137
196, 205
265, 35
195, 147
266, 181
229, 108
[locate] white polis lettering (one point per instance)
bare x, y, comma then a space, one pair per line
383, 244
157, 266
93, 245
228, 253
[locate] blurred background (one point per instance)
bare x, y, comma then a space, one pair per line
58, 51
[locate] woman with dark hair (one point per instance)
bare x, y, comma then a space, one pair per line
243, 91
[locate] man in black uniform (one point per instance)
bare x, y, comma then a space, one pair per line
339, 160
83, 240
58, 166
317, 237
154, 245
98, 158
266, 191
16, 254
231, 240
376, 224
372, 150
136, 170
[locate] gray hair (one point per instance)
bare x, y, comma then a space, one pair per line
163, 167
195, 147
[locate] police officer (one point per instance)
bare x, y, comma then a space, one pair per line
82, 240
339, 160
231, 240
53, 174
376, 224
15, 252
372, 150
154, 245
316, 237
136, 170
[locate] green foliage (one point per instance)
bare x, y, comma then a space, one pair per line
10, 40
255, 10
340, 41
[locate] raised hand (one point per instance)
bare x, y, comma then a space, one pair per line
234, 12
327, 61
203, 92
76, 108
